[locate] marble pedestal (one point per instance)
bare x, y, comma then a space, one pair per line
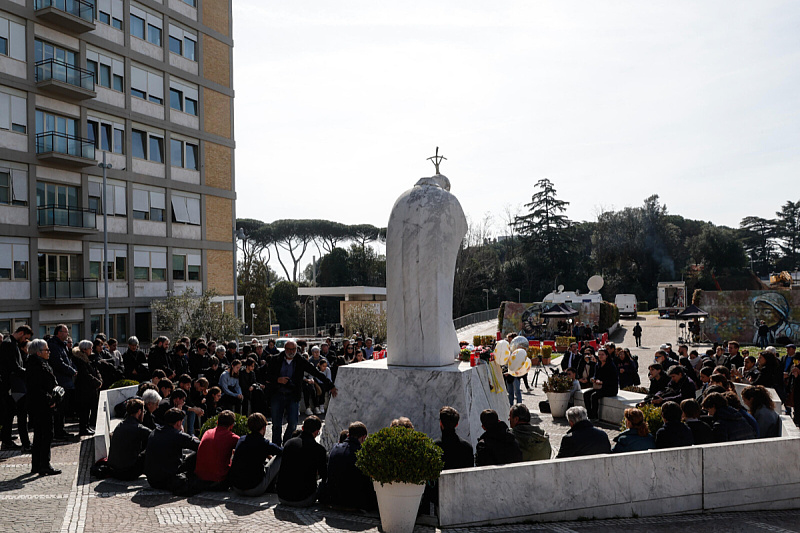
376, 394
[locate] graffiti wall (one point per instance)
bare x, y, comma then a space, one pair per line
737, 315
525, 318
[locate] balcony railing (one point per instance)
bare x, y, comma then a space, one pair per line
53, 69
76, 8
73, 288
61, 143
69, 217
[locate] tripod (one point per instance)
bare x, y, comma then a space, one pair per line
540, 369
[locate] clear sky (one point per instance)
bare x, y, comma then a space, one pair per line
339, 103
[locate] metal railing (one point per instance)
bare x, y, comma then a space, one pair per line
72, 288
61, 143
474, 318
302, 332
71, 217
53, 69
77, 8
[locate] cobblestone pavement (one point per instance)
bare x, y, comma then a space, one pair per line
75, 503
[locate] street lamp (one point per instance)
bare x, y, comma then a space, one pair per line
519, 295
252, 318
105, 166
487, 298
238, 235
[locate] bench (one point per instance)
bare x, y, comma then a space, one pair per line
106, 422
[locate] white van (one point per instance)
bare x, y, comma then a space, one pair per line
627, 304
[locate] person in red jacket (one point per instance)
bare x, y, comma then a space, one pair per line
214, 454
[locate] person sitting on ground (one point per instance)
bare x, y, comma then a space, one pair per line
457, 451
729, 425
214, 370
733, 401
303, 460
658, 382
636, 437
701, 432
165, 465
705, 379
582, 438
214, 453
757, 400
718, 380
343, 434
126, 454
695, 360
177, 398
723, 371
347, 486
679, 388
664, 360
402, 422
250, 472
532, 440
497, 445
232, 396
674, 433
151, 401
213, 399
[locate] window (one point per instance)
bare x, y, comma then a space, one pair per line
47, 122
186, 266
110, 12
184, 154
148, 145
182, 42
185, 208
116, 266
12, 39
115, 197
13, 111
117, 322
13, 259
147, 85
149, 204
105, 135
146, 26
149, 264
13, 186
192, 3
44, 50
74, 329
56, 195
10, 325
183, 96
59, 267
108, 72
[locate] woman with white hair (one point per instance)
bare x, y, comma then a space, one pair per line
42, 398
151, 400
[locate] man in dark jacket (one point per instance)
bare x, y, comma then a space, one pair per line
497, 445
347, 486
457, 451
12, 370
701, 432
126, 455
674, 433
678, 389
637, 334
303, 460
40, 382
284, 377
65, 373
250, 474
135, 362
158, 359
658, 382
582, 438
164, 464
729, 424
533, 441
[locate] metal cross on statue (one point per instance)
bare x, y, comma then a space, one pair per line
437, 159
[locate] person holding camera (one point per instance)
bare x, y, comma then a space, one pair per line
43, 397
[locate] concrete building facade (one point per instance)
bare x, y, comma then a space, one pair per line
148, 83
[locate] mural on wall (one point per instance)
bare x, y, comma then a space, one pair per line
525, 318
737, 315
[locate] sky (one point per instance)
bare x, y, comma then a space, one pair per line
338, 105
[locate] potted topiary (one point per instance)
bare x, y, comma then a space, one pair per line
547, 354
400, 461
557, 388
534, 352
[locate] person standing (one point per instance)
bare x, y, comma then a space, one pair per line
42, 398
65, 372
12, 376
87, 385
637, 334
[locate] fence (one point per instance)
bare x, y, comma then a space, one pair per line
474, 318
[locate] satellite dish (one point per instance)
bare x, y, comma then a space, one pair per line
560, 288
595, 283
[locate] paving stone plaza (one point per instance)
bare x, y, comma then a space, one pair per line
73, 502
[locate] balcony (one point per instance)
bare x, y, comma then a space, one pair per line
76, 16
62, 149
53, 218
67, 292
64, 79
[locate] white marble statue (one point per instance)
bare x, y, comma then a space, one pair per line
423, 237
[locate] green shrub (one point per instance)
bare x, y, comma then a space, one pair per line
400, 455
123, 383
239, 427
547, 351
652, 415
557, 383
609, 315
